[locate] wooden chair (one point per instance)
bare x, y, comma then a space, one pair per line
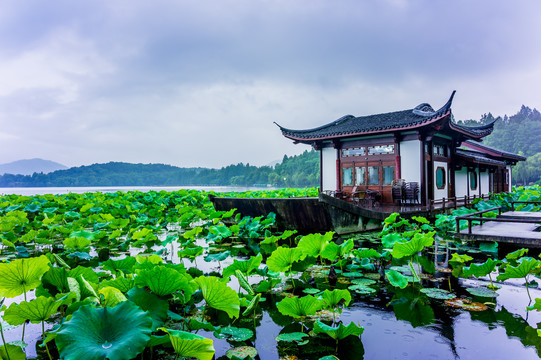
373, 197
412, 192
397, 190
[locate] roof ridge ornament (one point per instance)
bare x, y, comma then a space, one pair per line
424, 109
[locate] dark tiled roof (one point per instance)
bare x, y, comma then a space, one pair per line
502, 153
478, 158
350, 125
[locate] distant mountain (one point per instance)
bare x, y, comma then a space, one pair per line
293, 171
30, 166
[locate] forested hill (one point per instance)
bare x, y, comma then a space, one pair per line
295, 171
519, 134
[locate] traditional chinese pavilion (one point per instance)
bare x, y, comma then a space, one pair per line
419, 146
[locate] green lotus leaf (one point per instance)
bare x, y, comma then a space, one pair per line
153, 259
439, 294
81, 255
479, 270
329, 357
144, 233
267, 285
346, 247
71, 215
219, 296
118, 333
363, 281
311, 291
121, 283
536, 306
242, 352
111, 296
460, 259
314, 244
56, 280
391, 218
515, 255
283, 258
22, 275
73, 286
412, 247
362, 289
157, 340
353, 274
234, 333
125, 265
195, 324
88, 273
330, 251
491, 247
389, 240
32, 207
191, 252
36, 310
88, 289
482, 292
84, 234
252, 305
340, 332
296, 337
298, 307
8, 243
526, 265
221, 231
12, 352
164, 281
396, 279
333, 298
367, 253
61, 262
245, 266
156, 307
243, 282
191, 345
218, 257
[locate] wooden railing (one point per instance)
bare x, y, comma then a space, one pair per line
454, 202
522, 202
471, 217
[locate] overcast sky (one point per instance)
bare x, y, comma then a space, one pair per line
199, 83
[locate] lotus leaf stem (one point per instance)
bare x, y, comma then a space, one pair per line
43, 336
4, 341
528, 289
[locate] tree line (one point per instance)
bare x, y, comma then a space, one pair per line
519, 134
294, 171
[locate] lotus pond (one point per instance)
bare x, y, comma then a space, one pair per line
159, 275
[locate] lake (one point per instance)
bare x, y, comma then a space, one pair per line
29, 191
398, 323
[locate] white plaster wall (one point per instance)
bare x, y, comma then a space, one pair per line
461, 182
328, 175
410, 167
484, 181
440, 193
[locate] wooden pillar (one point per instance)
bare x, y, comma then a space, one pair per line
423, 171
398, 165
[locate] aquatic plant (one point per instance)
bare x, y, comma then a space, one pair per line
118, 333
187, 344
